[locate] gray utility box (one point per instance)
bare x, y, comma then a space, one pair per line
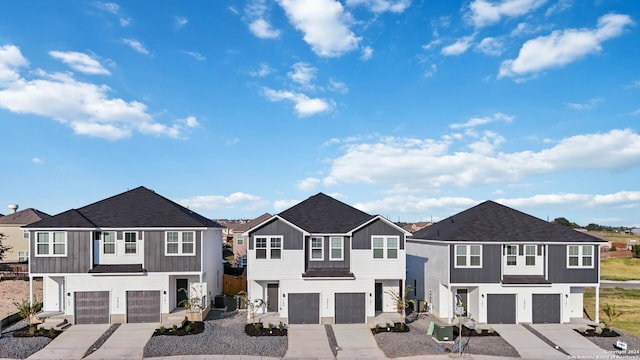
443, 332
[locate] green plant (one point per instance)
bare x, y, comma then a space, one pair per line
193, 304
162, 330
281, 326
612, 313
254, 306
598, 330
52, 331
174, 328
402, 326
187, 328
401, 300
257, 325
27, 310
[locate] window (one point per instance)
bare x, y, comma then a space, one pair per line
530, 255
240, 240
130, 243
270, 246
392, 248
580, 256
385, 246
23, 255
512, 255
468, 256
243, 262
337, 249
378, 247
25, 234
317, 248
108, 243
180, 243
51, 243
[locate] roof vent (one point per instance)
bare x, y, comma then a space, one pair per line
13, 208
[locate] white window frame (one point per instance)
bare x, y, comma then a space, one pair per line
25, 234
181, 242
124, 237
509, 255
51, 243
385, 247
114, 242
272, 248
467, 256
580, 257
321, 248
269, 247
533, 255
240, 240
23, 255
331, 248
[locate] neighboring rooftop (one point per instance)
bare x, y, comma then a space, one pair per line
23, 217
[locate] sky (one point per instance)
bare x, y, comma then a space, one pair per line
414, 110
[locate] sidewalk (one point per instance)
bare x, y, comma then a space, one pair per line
73, 343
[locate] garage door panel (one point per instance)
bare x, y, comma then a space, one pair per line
546, 308
350, 308
91, 307
143, 306
501, 308
304, 308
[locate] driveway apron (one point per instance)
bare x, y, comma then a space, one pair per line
73, 343
126, 343
569, 340
356, 341
527, 344
308, 342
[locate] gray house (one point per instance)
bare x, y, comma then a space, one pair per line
495, 265
125, 259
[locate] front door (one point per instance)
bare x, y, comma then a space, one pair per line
463, 295
272, 298
182, 292
379, 297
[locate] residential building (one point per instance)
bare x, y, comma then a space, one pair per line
494, 264
236, 233
126, 258
323, 261
14, 235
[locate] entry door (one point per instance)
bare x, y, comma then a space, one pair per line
379, 297
181, 296
464, 298
272, 298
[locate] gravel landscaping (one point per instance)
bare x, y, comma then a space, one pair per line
606, 343
417, 342
221, 336
20, 348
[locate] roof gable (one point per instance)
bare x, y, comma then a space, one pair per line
493, 222
323, 214
23, 217
139, 207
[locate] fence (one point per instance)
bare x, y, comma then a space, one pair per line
231, 285
14, 270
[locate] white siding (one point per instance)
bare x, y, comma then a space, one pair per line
291, 266
576, 302
430, 262
120, 257
363, 265
212, 266
53, 293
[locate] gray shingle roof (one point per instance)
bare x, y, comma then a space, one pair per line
323, 214
139, 207
493, 222
23, 217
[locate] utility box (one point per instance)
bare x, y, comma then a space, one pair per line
443, 332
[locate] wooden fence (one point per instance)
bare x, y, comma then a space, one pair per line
231, 285
14, 270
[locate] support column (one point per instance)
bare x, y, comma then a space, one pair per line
597, 318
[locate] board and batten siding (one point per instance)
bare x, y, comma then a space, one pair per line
490, 271
155, 259
559, 273
292, 238
78, 259
362, 237
326, 263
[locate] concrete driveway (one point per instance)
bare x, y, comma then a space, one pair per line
308, 342
72, 343
569, 340
356, 341
527, 344
126, 343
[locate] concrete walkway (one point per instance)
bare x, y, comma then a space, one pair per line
125, 343
527, 343
356, 341
308, 342
569, 340
73, 343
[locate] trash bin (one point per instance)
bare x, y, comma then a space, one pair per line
218, 302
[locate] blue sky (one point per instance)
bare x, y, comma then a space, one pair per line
410, 109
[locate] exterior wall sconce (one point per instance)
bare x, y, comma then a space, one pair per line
284, 295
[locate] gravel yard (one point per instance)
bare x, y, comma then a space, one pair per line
20, 348
633, 344
220, 337
416, 342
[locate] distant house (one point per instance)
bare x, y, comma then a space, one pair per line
323, 261
495, 264
416, 226
126, 258
236, 230
15, 236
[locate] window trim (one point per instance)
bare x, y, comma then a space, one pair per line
385, 247
180, 243
51, 243
268, 247
534, 255
331, 248
509, 255
124, 238
321, 248
114, 242
467, 256
24, 255
580, 257
240, 240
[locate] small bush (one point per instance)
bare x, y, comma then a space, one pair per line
281, 326
187, 329
491, 330
598, 330
174, 328
162, 330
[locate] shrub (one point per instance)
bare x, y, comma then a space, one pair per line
187, 328
163, 330
27, 309
598, 330
491, 330
281, 326
174, 328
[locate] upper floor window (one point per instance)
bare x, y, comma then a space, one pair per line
468, 256
108, 243
268, 247
317, 248
530, 255
53, 243
580, 256
23, 255
240, 240
512, 255
130, 242
25, 234
180, 243
243, 261
385, 247
337, 249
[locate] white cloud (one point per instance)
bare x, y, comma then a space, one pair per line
563, 47
114, 9
308, 184
262, 29
411, 204
490, 46
222, 202
432, 43
136, 45
325, 25
477, 121
303, 74
459, 47
633, 84
180, 21
338, 86
256, 13
263, 71
280, 205
36, 160
585, 106
80, 62
196, 55
304, 105
395, 161
559, 7
367, 53
233, 10
381, 6
431, 70
483, 12
85, 107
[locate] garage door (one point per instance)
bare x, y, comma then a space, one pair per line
304, 308
91, 307
501, 308
546, 308
350, 308
143, 306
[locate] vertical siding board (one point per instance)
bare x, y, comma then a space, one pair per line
489, 273
362, 237
77, 259
326, 263
292, 238
559, 273
156, 261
